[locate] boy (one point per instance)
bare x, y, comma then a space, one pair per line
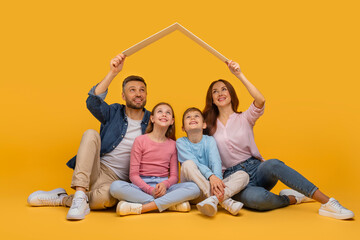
201, 164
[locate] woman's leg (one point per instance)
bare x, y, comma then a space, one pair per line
257, 195
270, 171
258, 198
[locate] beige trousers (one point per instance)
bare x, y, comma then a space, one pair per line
91, 174
233, 183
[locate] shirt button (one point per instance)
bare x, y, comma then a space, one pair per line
122, 135
113, 146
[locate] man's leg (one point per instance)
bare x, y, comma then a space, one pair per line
87, 166
86, 171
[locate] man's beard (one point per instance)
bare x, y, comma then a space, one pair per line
130, 104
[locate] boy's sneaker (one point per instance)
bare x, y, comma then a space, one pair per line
208, 207
334, 209
47, 198
79, 207
125, 208
232, 206
300, 198
181, 207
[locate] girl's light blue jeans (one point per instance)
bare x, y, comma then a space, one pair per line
263, 177
175, 194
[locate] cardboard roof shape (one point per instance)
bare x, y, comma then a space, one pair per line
168, 30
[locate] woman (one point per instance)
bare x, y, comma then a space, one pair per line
233, 132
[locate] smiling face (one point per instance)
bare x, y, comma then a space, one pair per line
193, 120
220, 94
135, 94
162, 116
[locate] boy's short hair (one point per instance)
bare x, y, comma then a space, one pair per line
192, 109
132, 78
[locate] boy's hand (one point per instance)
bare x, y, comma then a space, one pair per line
160, 190
217, 187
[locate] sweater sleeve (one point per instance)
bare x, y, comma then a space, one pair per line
185, 153
214, 158
135, 163
253, 113
173, 170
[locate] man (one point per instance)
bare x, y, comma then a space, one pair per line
103, 158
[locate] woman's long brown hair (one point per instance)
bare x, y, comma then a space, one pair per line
170, 133
211, 111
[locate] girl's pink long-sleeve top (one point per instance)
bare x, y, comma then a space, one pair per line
149, 158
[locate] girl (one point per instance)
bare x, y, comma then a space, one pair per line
233, 132
154, 170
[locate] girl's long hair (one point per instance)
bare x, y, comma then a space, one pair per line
211, 111
170, 133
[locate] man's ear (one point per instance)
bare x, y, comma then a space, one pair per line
204, 125
183, 128
123, 96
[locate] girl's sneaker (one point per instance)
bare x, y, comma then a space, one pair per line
125, 208
181, 207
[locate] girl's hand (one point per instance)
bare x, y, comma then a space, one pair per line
234, 67
117, 63
217, 187
160, 190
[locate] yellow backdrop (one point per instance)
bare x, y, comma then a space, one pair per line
302, 55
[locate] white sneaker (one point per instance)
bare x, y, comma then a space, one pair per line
300, 198
125, 208
232, 206
47, 198
208, 207
334, 209
79, 207
181, 207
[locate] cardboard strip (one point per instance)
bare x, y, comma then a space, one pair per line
202, 43
130, 51
168, 30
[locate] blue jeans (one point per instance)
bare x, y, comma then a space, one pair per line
263, 177
176, 194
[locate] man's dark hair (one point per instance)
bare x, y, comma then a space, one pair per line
133, 78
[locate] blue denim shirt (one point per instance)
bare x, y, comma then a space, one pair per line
113, 122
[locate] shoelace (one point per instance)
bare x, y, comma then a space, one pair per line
77, 202
52, 200
335, 204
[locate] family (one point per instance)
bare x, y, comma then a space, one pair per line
133, 162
